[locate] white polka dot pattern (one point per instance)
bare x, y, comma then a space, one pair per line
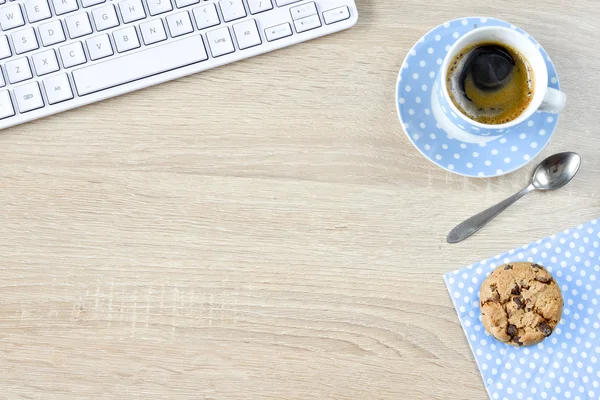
564, 366
414, 91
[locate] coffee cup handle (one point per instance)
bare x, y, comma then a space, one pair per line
554, 101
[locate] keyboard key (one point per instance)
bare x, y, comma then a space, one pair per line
206, 16
336, 15
307, 23
179, 24
132, 10
45, 62
159, 6
78, 25
51, 33
2, 82
258, 6
99, 47
232, 9
11, 17
64, 6
303, 10
185, 3
37, 10
4, 48
246, 34
28, 97
281, 3
24, 40
220, 42
105, 17
72, 54
89, 3
153, 31
278, 32
58, 88
126, 39
148, 62
18, 70
6, 106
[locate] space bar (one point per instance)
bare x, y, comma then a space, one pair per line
142, 64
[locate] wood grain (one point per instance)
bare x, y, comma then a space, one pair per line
265, 230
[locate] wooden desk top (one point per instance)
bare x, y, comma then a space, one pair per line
266, 230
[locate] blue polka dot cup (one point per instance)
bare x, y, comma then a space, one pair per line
545, 98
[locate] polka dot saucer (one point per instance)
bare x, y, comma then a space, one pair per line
464, 154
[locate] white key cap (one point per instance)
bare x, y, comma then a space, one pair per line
278, 32
28, 97
132, 10
58, 88
105, 17
24, 40
232, 9
18, 70
258, 6
37, 10
6, 107
51, 33
45, 62
72, 54
307, 23
89, 3
179, 24
159, 6
148, 62
281, 3
64, 6
4, 48
11, 17
2, 82
99, 47
246, 34
206, 16
153, 31
220, 42
185, 3
336, 15
303, 10
126, 39
78, 25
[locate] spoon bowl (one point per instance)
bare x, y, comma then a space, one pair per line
556, 171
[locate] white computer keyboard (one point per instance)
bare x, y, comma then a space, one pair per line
60, 54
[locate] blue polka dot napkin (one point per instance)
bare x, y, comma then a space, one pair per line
564, 366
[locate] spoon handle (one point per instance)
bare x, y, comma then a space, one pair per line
476, 222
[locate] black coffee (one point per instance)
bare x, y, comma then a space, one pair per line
490, 82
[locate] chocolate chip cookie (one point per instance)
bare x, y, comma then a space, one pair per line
521, 303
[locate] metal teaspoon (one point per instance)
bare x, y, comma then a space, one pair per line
553, 173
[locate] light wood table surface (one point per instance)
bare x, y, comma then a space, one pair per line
266, 230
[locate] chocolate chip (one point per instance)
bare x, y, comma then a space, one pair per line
537, 266
516, 339
519, 302
511, 330
508, 266
545, 329
543, 279
516, 290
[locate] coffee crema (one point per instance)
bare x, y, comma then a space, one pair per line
490, 82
